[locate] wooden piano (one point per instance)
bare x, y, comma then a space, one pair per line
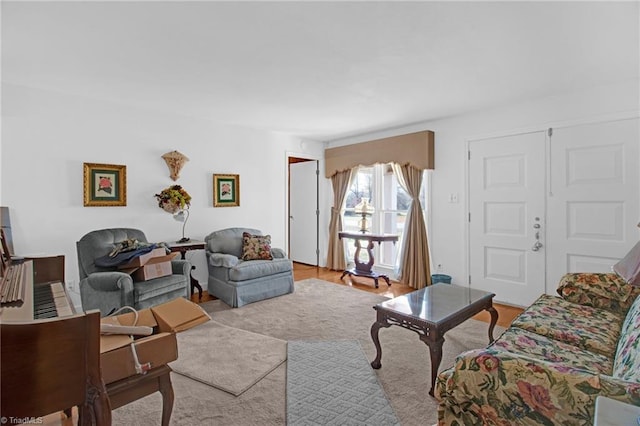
50, 354
40, 291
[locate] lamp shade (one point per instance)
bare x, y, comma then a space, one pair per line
629, 267
363, 207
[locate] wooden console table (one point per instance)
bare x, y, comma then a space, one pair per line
365, 269
183, 248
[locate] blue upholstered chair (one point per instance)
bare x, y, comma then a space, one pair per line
238, 282
107, 289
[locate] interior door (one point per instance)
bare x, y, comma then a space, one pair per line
303, 212
507, 217
593, 196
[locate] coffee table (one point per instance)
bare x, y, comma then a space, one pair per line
431, 312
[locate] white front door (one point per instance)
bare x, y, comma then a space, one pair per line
507, 217
593, 197
303, 207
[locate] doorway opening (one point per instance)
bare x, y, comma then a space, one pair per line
304, 213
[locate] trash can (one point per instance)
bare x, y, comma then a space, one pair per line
440, 278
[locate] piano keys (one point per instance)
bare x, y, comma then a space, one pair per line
47, 299
50, 300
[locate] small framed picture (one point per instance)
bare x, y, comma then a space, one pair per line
226, 190
105, 185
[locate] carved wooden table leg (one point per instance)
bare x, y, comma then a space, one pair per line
166, 390
435, 355
360, 266
494, 319
375, 328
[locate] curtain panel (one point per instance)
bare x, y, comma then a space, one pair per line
340, 183
414, 253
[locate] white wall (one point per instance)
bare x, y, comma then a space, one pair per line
447, 235
46, 138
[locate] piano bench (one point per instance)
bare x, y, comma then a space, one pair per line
135, 387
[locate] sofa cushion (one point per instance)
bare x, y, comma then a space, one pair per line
627, 361
600, 290
250, 269
144, 290
256, 247
593, 329
526, 343
493, 387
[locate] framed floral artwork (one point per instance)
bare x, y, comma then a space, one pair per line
105, 185
226, 190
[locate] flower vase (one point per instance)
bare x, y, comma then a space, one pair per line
170, 208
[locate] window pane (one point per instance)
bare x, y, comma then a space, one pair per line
350, 221
391, 223
403, 199
380, 185
362, 187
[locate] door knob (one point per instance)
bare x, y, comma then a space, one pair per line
536, 246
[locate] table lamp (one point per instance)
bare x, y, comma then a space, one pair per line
182, 216
364, 209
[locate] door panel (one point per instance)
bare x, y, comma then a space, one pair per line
593, 196
505, 264
579, 263
303, 205
507, 186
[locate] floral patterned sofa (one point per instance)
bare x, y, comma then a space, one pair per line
553, 361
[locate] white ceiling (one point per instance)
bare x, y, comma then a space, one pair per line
319, 70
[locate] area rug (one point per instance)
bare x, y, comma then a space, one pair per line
227, 358
331, 383
316, 310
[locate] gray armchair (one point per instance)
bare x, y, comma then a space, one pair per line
238, 282
108, 289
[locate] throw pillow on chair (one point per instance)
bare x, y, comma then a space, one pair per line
256, 247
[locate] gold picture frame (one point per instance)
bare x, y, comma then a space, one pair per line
105, 185
226, 190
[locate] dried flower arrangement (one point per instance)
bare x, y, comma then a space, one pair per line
173, 199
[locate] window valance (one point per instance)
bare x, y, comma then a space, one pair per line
413, 148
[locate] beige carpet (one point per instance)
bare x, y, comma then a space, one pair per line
227, 358
316, 310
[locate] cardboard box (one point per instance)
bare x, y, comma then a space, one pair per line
154, 267
117, 358
143, 259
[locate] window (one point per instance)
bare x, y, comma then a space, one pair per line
379, 184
